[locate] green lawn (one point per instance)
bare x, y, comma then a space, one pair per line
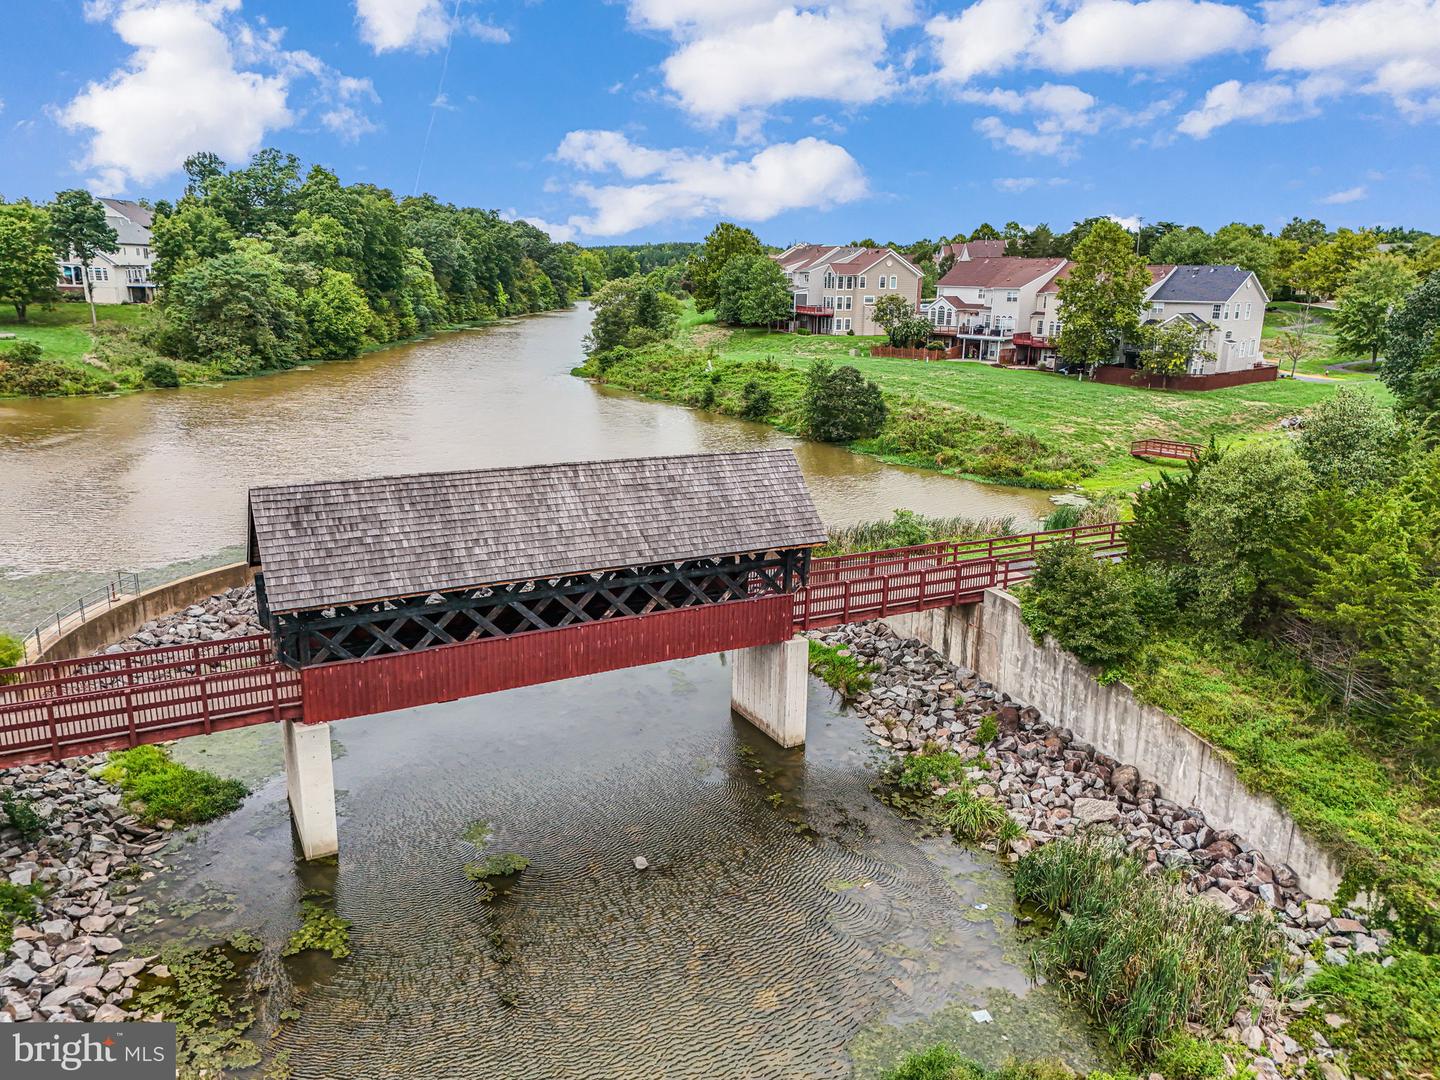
1284, 315
1090, 420
64, 331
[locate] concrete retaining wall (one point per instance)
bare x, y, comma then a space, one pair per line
125, 618
990, 639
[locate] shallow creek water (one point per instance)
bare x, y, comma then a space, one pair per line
789, 926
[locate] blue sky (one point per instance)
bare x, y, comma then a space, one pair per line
649, 119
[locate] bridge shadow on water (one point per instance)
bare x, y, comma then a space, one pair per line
789, 925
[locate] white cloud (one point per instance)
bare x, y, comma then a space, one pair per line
1349, 195
1128, 222
1062, 112
418, 25
991, 36
1016, 185
1261, 103
1389, 47
681, 186
735, 60
198, 78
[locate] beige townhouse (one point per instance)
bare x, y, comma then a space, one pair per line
983, 302
835, 288
121, 276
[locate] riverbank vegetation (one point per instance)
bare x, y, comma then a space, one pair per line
1282, 600
839, 669
906, 528
261, 268
161, 788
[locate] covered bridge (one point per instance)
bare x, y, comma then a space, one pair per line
363, 568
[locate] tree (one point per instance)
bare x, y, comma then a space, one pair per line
631, 312
191, 233
1365, 303
1084, 603
1102, 296
238, 310
1295, 346
753, 291
1323, 270
1306, 233
1190, 246
1247, 246
619, 262
1169, 348
27, 256
78, 230
986, 231
336, 316
1411, 366
725, 241
1350, 440
840, 404
890, 311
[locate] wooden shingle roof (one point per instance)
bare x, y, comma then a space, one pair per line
343, 542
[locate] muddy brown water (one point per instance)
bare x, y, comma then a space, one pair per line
790, 926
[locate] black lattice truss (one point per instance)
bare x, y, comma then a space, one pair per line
421, 622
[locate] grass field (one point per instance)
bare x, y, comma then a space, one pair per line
1284, 315
1089, 420
64, 330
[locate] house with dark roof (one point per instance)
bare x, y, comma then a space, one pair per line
982, 303
835, 288
966, 250
121, 276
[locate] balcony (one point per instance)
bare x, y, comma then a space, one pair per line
1034, 341
807, 309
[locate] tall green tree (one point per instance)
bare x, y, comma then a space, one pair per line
1411, 365
1169, 348
189, 234
78, 230
840, 404
725, 241
1363, 308
753, 292
1101, 298
238, 310
27, 256
1351, 441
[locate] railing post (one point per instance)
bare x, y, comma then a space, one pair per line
205, 702
130, 717
54, 732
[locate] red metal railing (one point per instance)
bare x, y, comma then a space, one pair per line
1164, 448
65, 708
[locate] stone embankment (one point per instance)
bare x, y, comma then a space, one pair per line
1054, 784
92, 852
229, 614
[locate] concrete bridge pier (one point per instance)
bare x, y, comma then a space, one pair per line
310, 781
769, 685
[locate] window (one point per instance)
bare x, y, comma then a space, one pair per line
893, 281
99, 273
862, 281
981, 294
1011, 296
1247, 310
135, 274
869, 300
1215, 311
829, 280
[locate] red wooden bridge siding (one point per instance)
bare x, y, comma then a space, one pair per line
360, 687
71, 707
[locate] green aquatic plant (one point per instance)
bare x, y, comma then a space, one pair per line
204, 997
502, 865
163, 789
243, 941
320, 928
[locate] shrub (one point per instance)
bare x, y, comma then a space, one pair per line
1350, 440
1149, 956
988, 732
756, 401
22, 353
18, 903
12, 651
1184, 1057
161, 373
971, 817
21, 814
1062, 517
37, 379
1085, 604
168, 789
840, 404
929, 769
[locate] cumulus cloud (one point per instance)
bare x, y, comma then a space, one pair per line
1349, 195
990, 36
199, 78
1257, 102
676, 185
1016, 185
1061, 112
734, 60
417, 25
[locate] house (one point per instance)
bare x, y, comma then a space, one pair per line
835, 288
122, 276
1227, 301
971, 249
982, 303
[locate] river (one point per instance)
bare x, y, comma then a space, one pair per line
158, 480
789, 926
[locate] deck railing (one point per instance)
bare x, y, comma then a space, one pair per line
1165, 448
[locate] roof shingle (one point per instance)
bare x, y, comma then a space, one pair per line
342, 542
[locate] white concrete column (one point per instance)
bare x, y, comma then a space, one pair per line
769, 685
310, 781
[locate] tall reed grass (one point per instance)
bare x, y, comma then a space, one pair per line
907, 528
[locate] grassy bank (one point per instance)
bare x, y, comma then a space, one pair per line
1000, 425
1286, 736
1284, 316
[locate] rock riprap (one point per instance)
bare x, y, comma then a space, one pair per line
229, 614
1054, 784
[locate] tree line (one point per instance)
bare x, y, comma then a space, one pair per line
264, 266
